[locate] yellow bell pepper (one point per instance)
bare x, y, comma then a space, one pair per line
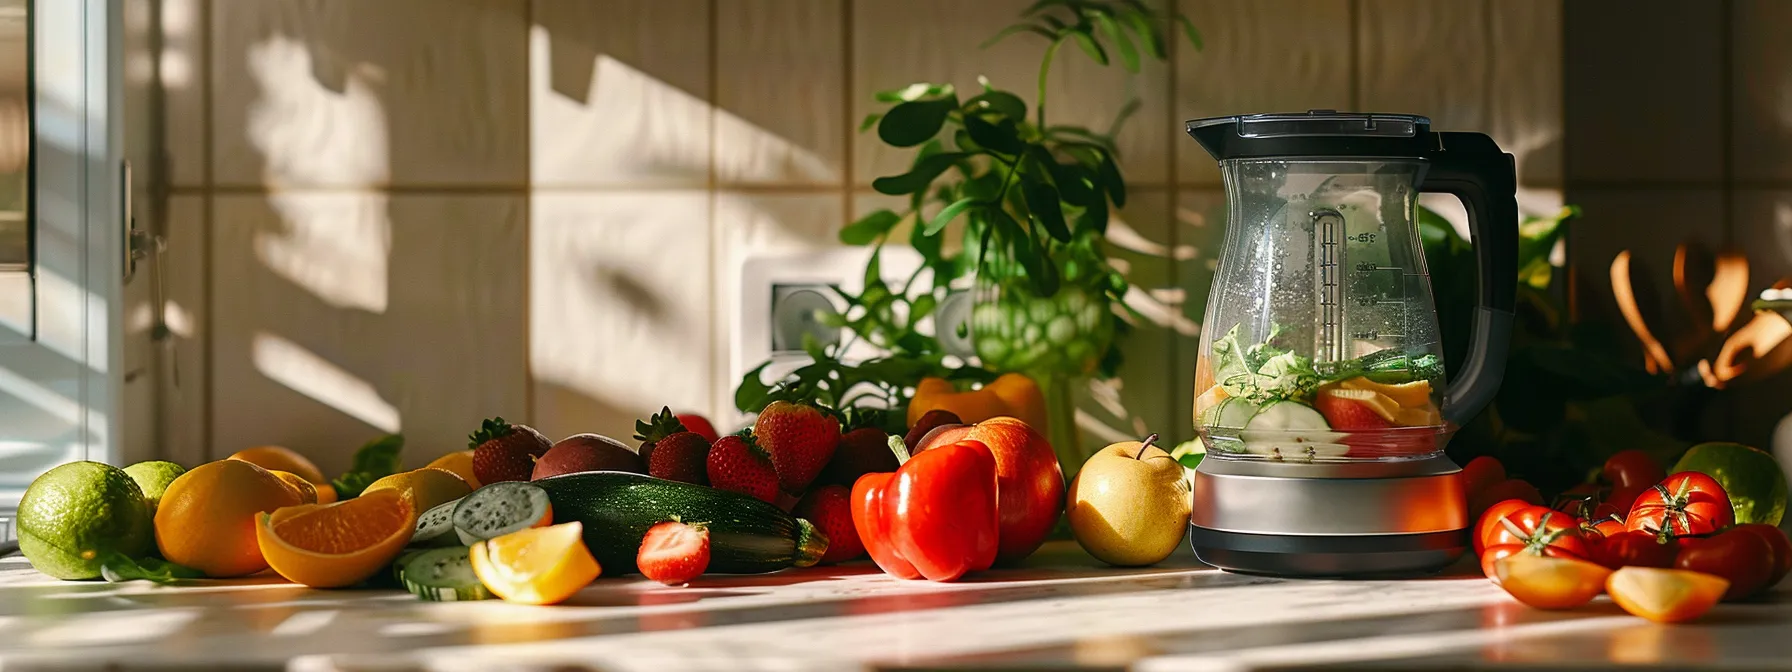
1011, 394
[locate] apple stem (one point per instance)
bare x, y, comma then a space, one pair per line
1143, 445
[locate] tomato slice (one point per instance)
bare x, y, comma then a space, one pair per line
1665, 595
1490, 560
1685, 504
1628, 548
1741, 557
1551, 583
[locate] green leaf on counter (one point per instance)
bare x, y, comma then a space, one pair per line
118, 568
377, 459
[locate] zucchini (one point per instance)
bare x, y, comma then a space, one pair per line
442, 575
746, 536
436, 526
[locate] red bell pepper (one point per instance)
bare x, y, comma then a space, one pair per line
935, 516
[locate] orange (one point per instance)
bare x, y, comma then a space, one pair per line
207, 516
336, 545
461, 463
428, 486
540, 565
307, 491
281, 459
326, 493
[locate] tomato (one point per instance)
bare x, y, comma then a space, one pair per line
1782, 550
1664, 595
1636, 549
1742, 558
1624, 498
1632, 471
1511, 488
1550, 583
1485, 524
1603, 526
1529, 529
1482, 473
1685, 504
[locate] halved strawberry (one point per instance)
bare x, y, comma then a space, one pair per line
673, 552
1351, 410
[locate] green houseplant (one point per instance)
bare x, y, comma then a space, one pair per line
1030, 202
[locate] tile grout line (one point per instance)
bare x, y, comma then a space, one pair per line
713, 37
528, 199
208, 228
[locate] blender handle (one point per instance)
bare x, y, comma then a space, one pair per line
1471, 167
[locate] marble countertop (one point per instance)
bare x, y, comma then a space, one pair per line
1062, 609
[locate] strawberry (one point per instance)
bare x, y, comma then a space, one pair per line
680, 457
1343, 410
673, 553
801, 440
700, 425
865, 450
928, 421
738, 464
829, 509
505, 452
659, 426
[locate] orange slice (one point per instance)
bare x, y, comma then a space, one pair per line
542, 565
1411, 395
335, 545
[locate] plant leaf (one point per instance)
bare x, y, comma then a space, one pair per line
947, 214
928, 246
1015, 30
1094, 218
1002, 138
116, 567
918, 178
1008, 104
869, 227
750, 395
1042, 200
1140, 22
870, 120
1129, 55
914, 122
1188, 28
1112, 180
1090, 46
377, 459
1041, 272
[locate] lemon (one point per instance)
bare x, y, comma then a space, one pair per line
541, 565
429, 486
74, 515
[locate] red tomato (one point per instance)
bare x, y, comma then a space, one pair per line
1511, 488
1532, 529
1687, 503
1782, 550
1482, 473
1636, 549
1632, 471
1743, 558
1488, 520
1605, 526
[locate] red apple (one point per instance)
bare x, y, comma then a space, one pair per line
1030, 485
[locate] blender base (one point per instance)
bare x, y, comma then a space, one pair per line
1365, 556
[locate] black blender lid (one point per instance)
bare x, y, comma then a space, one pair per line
1316, 133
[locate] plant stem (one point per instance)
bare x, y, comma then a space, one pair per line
1045, 67
1060, 413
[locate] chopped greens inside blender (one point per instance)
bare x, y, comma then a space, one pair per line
1264, 372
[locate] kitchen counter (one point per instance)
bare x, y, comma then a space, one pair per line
1061, 609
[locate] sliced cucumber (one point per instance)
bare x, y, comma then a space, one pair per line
499, 509
1290, 430
1230, 413
436, 527
442, 575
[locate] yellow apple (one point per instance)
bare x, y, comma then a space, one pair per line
1129, 505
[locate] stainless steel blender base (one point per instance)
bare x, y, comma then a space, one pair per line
1329, 519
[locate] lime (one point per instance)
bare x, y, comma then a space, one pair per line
152, 478
1752, 478
71, 517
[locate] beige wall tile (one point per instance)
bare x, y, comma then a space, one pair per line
1644, 90
429, 343
1525, 86
184, 73
619, 92
1429, 58
1139, 239
619, 308
780, 92
345, 93
182, 366
1263, 56
1761, 90
895, 44
1200, 230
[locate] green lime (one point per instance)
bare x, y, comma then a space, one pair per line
71, 517
1752, 478
152, 478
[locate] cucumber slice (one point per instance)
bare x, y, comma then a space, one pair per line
1230, 413
442, 575
1290, 430
499, 509
436, 527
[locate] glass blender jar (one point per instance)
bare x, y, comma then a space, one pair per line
1320, 389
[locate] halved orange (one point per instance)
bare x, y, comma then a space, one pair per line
282, 459
307, 491
541, 565
1665, 595
335, 545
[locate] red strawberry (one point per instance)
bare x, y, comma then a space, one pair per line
865, 450
700, 425
673, 553
681, 457
928, 421
738, 464
829, 509
658, 426
505, 452
1347, 410
801, 440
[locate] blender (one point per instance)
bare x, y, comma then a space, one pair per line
1320, 388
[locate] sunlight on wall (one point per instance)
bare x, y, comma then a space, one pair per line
337, 246
753, 154
307, 373
179, 17
309, 134
631, 127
